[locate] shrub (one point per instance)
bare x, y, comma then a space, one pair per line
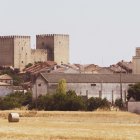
59, 101
94, 103
74, 102
134, 92
15, 100
28, 65
119, 103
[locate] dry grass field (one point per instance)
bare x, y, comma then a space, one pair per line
98, 125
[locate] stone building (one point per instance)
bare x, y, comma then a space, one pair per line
15, 51
5, 89
38, 55
6, 79
136, 61
57, 46
92, 85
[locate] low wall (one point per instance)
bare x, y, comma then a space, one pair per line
134, 107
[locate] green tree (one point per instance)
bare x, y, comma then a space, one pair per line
94, 103
119, 103
105, 104
15, 100
28, 65
59, 100
17, 80
134, 92
61, 86
74, 102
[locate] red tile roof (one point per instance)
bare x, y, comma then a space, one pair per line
39, 67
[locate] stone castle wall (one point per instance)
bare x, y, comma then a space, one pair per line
22, 51
61, 49
136, 62
7, 51
46, 42
57, 46
38, 55
16, 50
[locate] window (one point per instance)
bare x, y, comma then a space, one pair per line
22, 48
87, 93
93, 84
43, 43
21, 61
39, 85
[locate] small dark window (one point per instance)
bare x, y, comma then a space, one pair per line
22, 48
43, 43
21, 61
87, 93
93, 84
39, 85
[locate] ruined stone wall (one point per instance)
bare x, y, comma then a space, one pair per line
22, 51
38, 55
7, 51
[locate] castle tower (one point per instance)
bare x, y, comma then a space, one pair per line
136, 62
15, 51
57, 46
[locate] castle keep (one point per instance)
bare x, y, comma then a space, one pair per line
16, 50
136, 62
57, 47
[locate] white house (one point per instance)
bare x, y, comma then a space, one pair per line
5, 78
111, 86
5, 89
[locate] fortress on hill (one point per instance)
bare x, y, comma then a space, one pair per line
16, 50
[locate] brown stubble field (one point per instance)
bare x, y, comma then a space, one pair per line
99, 125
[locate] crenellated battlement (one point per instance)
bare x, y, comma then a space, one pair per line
15, 50
38, 55
39, 51
52, 35
13, 36
138, 51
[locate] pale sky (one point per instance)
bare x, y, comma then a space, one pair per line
102, 32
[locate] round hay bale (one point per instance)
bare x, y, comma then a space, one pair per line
13, 117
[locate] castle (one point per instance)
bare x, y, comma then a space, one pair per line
136, 61
16, 50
